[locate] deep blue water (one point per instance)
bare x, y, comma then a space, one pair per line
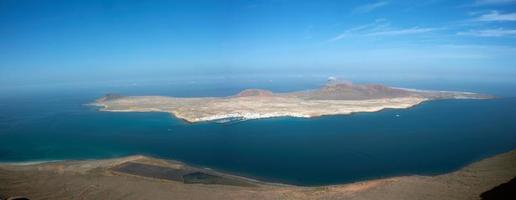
434, 137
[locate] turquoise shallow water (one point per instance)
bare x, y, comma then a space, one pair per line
434, 137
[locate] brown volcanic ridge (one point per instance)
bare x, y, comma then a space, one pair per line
349, 91
255, 93
333, 98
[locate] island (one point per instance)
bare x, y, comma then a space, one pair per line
334, 98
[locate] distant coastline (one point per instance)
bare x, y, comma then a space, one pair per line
397, 104
335, 98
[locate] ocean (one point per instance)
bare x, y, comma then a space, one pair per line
432, 138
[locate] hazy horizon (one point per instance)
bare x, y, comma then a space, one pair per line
83, 42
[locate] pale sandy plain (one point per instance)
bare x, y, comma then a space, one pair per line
331, 99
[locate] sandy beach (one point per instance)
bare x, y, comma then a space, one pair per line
139, 177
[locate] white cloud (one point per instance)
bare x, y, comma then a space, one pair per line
379, 28
407, 31
495, 16
500, 32
493, 2
370, 7
378, 24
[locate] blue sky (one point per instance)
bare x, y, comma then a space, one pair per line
70, 41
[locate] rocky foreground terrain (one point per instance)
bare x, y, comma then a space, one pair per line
139, 177
334, 98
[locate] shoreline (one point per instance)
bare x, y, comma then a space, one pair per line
334, 98
474, 178
229, 173
35, 162
103, 107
